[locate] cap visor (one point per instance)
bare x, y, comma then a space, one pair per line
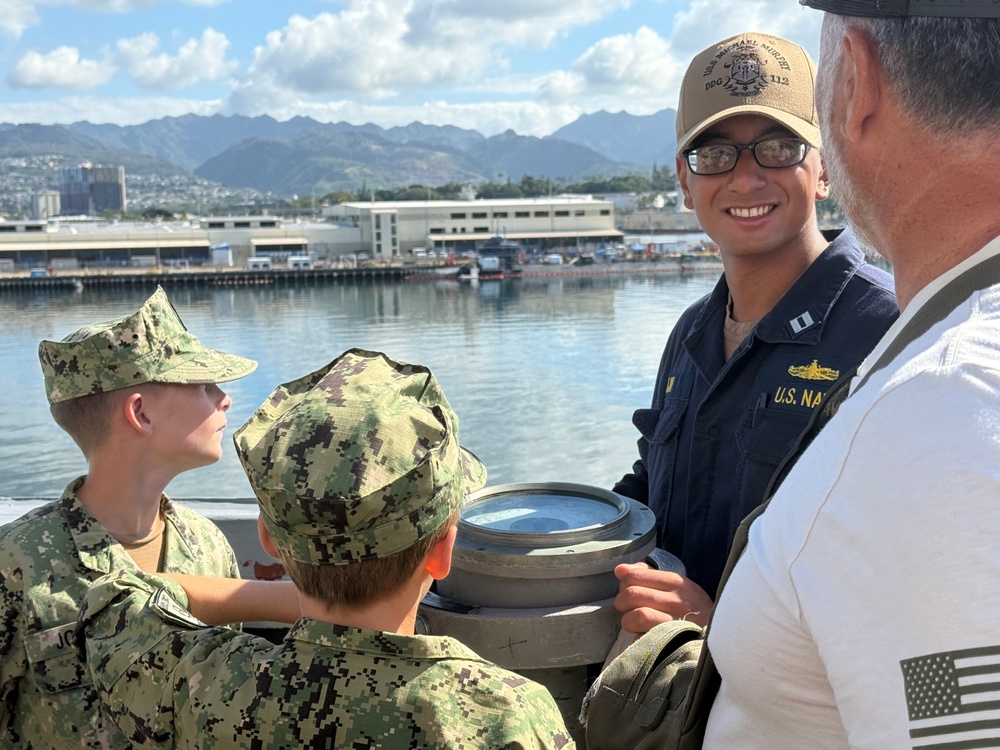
208, 366
804, 130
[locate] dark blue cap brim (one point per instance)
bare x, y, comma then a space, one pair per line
905, 8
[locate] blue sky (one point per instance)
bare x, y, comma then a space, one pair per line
527, 65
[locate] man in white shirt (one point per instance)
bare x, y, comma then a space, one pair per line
865, 610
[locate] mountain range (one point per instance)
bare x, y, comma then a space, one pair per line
303, 156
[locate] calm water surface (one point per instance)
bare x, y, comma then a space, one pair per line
544, 373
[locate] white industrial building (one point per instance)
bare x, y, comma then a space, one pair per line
393, 228
101, 244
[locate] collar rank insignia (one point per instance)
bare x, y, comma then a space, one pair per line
813, 371
801, 323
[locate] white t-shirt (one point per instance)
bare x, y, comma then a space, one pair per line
865, 611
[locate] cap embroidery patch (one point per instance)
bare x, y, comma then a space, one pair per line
745, 75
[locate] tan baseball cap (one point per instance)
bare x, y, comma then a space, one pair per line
749, 73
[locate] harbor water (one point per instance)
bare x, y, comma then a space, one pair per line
544, 373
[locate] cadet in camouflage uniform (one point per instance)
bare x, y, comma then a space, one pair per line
359, 476
96, 380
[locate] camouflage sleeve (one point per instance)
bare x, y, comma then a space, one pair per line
13, 657
163, 676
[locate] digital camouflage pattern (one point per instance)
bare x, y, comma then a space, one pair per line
149, 346
168, 680
48, 559
357, 460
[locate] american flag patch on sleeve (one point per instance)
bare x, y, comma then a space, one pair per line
953, 699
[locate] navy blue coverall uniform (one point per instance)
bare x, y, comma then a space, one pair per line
718, 429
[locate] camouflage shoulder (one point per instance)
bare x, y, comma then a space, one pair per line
531, 719
21, 539
542, 721
25, 525
134, 589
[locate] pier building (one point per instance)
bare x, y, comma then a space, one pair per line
384, 231
393, 228
69, 245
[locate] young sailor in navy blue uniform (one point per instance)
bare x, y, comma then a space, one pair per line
745, 366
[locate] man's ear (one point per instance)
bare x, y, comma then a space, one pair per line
437, 564
682, 179
265, 539
860, 80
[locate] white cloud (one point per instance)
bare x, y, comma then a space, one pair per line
533, 23
708, 21
16, 16
197, 60
60, 68
377, 49
99, 110
395, 61
124, 6
638, 72
365, 51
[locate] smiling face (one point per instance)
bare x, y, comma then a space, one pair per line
188, 422
754, 212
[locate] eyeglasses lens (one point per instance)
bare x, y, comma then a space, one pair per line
772, 153
779, 152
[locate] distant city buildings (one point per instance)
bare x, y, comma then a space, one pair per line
45, 205
91, 190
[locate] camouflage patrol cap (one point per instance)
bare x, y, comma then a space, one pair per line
149, 346
356, 461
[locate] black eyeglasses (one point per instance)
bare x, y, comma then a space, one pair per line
771, 153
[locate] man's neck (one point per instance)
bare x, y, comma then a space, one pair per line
943, 250
756, 284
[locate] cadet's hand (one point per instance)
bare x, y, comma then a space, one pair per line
647, 597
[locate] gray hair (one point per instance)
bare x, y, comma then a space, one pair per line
945, 71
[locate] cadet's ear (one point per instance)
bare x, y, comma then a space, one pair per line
437, 564
133, 409
265, 539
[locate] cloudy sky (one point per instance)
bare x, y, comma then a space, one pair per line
527, 65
